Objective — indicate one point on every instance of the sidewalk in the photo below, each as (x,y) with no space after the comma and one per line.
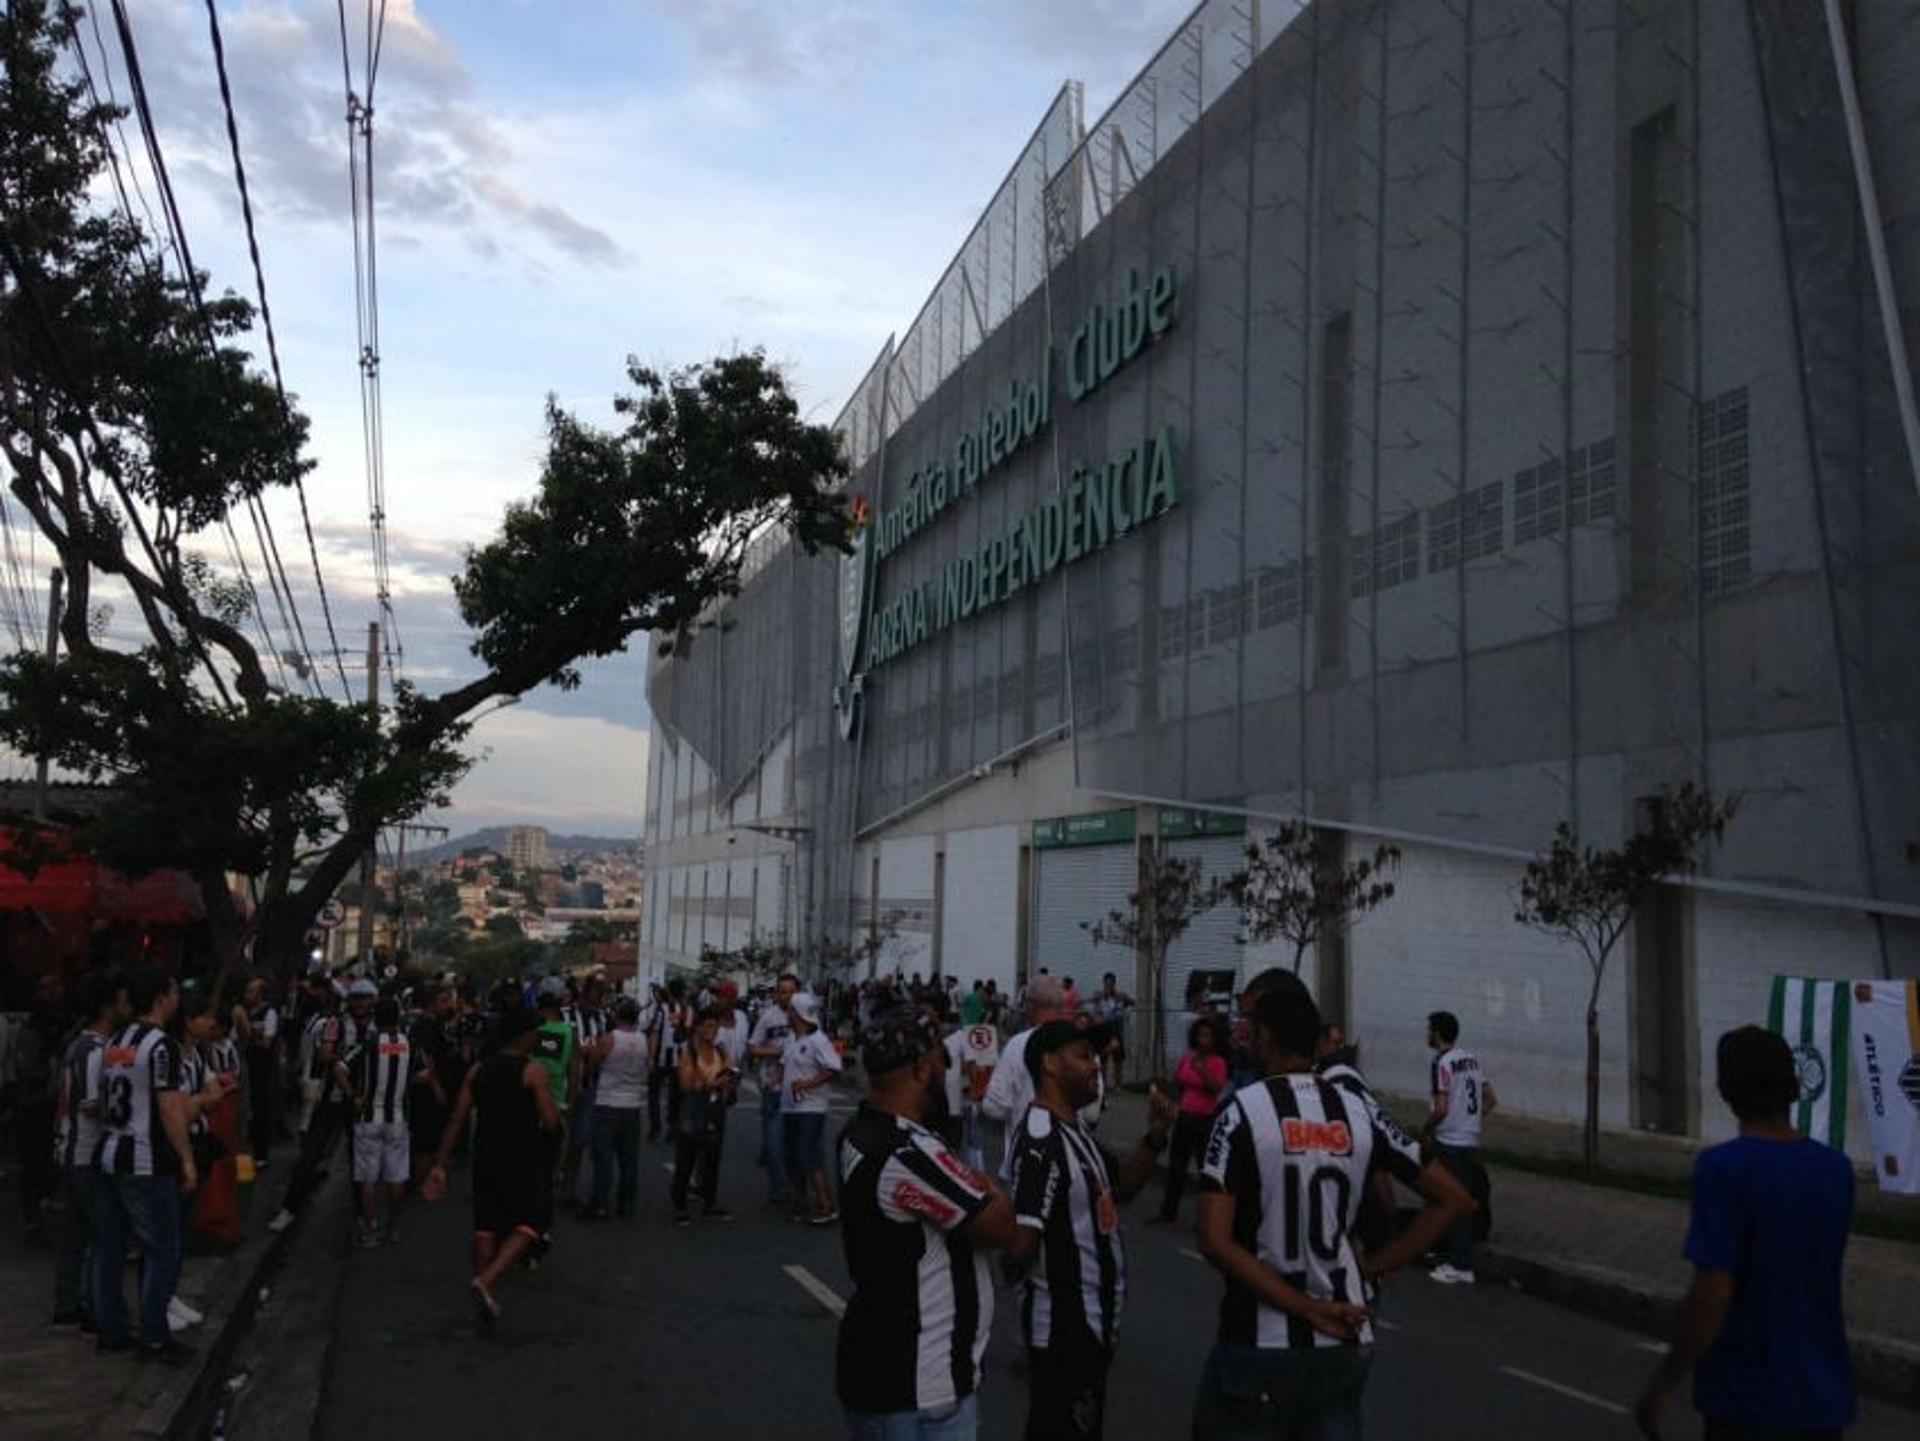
(54,1385)
(1617,1252)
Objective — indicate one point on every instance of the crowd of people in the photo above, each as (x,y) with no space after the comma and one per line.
(157,1096)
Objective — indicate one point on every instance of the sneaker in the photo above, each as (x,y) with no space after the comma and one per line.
(681,1218)
(180,1315)
(282,1219)
(827,1218)
(486,1309)
(716,1213)
(1447,1274)
(367,1239)
(170,1352)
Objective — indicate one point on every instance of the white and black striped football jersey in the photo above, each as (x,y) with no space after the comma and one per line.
(383,1070)
(1293,1152)
(1063,1187)
(77,1119)
(140,1064)
(915,1330)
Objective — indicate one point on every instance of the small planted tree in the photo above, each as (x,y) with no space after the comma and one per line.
(1589,897)
(1294,889)
(1172,894)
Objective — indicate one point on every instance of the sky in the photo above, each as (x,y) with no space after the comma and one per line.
(560,185)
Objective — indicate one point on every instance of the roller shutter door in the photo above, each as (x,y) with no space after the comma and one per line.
(980,908)
(1076,884)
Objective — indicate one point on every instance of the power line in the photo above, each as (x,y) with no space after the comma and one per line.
(170,209)
(366,286)
(273,347)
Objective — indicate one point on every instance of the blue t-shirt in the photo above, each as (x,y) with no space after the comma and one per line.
(1775,1215)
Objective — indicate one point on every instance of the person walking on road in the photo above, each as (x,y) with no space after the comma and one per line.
(766,1043)
(908,1360)
(1762,1327)
(384,1078)
(1067,1192)
(512,1157)
(708,1083)
(1285,1169)
(1202,1078)
(556,1047)
(333,1038)
(1462,1099)
(618,1060)
(807,1067)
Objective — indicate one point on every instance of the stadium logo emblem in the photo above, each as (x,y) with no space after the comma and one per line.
(1811,1067)
(855,567)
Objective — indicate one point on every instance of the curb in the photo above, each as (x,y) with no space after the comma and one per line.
(229,1308)
(1884,1367)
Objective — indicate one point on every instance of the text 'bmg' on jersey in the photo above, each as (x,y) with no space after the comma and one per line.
(1293,1153)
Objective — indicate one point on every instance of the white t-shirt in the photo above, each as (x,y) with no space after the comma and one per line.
(1458,1077)
(732,1042)
(805,1058)
(771,1027)
(956,1045)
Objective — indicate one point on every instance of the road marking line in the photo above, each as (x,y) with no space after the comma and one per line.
(1380,1325)
(1598,1401)
(818,1289)
(1190,1254)
(1659,1348)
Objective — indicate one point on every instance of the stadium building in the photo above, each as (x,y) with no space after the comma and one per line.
(1434,419)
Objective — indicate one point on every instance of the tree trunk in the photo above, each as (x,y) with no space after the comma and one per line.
(1590,1131)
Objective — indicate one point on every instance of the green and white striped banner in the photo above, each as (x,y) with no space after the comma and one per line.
(1813,1016)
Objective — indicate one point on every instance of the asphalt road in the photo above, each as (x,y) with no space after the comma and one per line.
(728,1329)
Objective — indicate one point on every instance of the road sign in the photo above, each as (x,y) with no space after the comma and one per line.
(331,914)
(983,1045)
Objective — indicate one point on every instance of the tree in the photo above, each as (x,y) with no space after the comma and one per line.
(1589,897)
(133,424)
(1172,894)
(1295,888)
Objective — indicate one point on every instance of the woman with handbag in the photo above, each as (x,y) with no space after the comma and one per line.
(708,1082)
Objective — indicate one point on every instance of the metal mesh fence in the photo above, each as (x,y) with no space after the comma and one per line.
(1536,436)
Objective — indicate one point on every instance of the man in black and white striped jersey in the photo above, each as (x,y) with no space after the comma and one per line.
(146,1162)
(1067,1192)
(380,1080)
(915,1223)
(1282,1180)
(586,1013)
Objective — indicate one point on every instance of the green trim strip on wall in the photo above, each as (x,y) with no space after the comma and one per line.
(1097,828)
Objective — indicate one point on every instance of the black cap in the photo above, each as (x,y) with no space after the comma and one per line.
(516,1022)
(1050,1036)
(898,1036)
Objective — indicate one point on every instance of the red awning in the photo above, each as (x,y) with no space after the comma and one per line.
(82,886)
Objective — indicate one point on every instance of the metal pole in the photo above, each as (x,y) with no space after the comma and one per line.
(56,579)
(366,859)
(1876,237)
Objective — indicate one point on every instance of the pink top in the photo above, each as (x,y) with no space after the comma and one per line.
(1202,1079)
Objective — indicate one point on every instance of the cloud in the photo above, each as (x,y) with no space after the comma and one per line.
(443,164)
(570,773)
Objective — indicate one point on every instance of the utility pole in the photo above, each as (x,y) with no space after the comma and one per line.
(366,860)
(56,579)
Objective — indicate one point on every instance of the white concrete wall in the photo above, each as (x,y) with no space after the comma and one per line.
(1740,945)
(1447,941)
(981,915)
(906,886)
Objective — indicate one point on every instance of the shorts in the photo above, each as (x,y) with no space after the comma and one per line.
(382,1151)
(507,1197)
